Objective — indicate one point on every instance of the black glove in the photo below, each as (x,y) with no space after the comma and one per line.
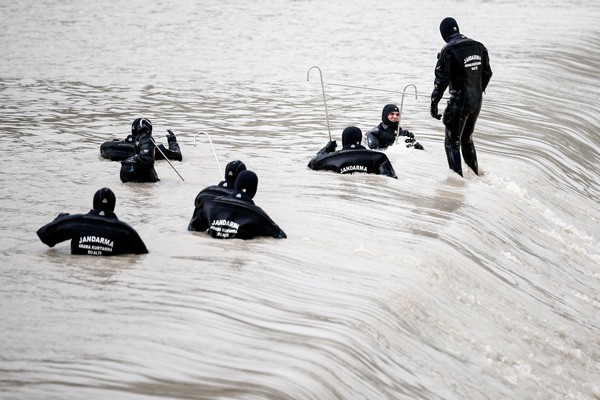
(433,110)
(330,148)
(171,136)
(408,133)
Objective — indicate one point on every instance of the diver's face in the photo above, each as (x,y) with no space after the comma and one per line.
(394,116)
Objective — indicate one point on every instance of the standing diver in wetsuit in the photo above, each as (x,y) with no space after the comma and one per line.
(464,65)
(236,216)
(224,188)
(140,166)
(384,134)
(118,150)
(353,157)
(97,233)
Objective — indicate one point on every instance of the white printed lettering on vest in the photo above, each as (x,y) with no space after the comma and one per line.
(353,168)
(224,228)
(474,57)
(473,61)
(85,240)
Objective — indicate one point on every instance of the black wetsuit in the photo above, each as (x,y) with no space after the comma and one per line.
(235,217)
(97,233)
(463,64)
(119,150)
(383,136)
(353,159)
(209,193)
(140,166)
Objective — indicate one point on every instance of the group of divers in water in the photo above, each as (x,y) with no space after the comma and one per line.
(227,210)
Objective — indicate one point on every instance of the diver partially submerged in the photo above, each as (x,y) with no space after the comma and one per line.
(119,150)
(236,216)
(223,188)
(139,167)
(388,131)
(98,233)
(353,158)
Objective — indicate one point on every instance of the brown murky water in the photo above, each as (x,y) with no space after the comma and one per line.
(426,287)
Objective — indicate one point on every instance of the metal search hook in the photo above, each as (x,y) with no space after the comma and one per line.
(324,100)
(213,149)
(402,105)
(166,158)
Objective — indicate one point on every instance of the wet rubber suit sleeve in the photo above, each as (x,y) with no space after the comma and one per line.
(373,138)
(173,152)
(385,168)
(329,148)
(54,232)
(442,75)
(486,73)
(145,156)
(199,222)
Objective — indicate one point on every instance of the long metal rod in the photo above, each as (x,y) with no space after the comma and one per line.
(324,100)
(213,149)
(161,152)
(402,105)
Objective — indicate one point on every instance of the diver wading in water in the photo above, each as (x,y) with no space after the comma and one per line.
(385,134)
(353,158)
(224,188)
(236,216)
(119,150)
(140,166)
(97,233)
(464,65)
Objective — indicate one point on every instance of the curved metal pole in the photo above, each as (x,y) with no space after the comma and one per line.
(324,100)
(163,154)
(213,149)
(402,105)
